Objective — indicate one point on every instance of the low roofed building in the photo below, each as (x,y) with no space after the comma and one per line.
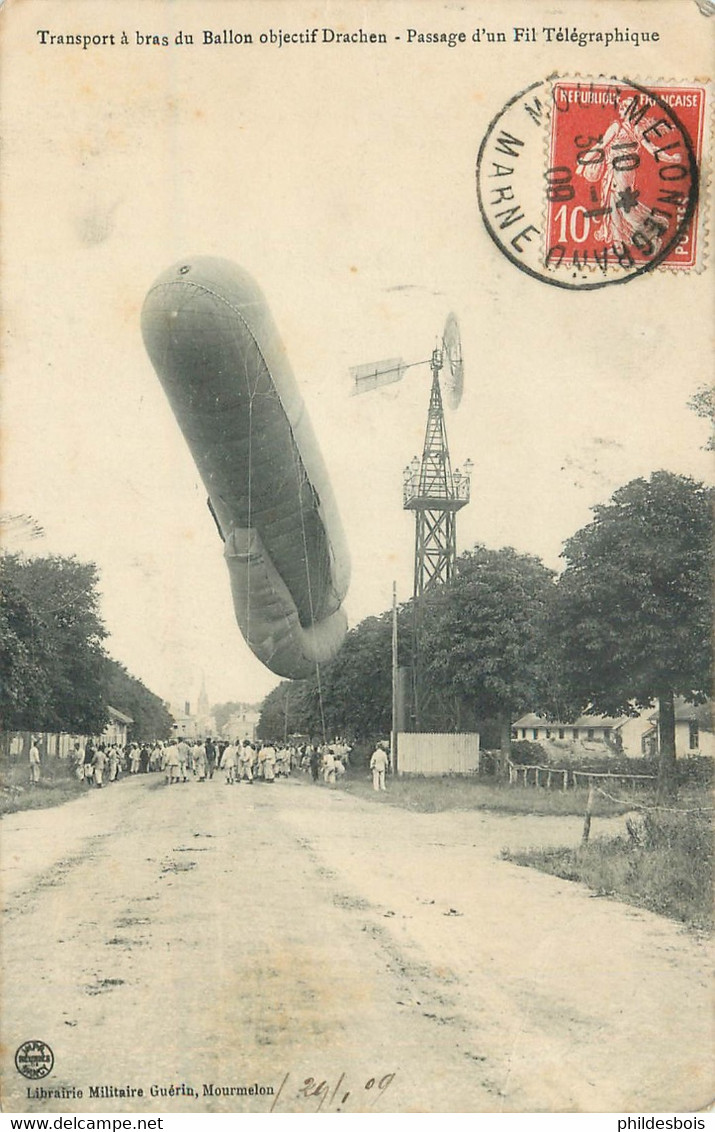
(633,735)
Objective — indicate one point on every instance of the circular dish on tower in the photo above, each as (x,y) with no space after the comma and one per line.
(453,372)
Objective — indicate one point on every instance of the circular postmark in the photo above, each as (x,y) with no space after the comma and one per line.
(586,182)
(34,1059)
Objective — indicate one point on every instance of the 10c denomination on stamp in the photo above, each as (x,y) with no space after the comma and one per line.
(582,183)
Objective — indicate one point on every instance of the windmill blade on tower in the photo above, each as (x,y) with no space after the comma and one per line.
(373,375)
(453,372)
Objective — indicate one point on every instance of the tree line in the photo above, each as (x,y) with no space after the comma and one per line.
(626,625)
(55,674)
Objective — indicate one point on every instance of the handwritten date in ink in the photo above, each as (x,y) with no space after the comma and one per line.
(322,1095)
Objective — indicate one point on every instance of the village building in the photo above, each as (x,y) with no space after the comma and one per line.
(117,729)
(694,730)
(242,725)
(195,725)
(634,736)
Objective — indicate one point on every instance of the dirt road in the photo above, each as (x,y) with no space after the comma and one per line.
(212,938)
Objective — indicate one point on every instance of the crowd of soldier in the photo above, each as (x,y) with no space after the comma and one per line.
(183,760)
(101,762)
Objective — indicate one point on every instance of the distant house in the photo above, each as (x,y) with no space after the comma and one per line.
(116,729)
(694,732)
(242,725)
(185,724)
(536,729)
(194,725)
(631,735)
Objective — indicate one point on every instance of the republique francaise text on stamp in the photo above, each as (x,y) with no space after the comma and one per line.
(586,182)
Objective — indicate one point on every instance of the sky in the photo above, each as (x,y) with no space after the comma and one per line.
(345,184)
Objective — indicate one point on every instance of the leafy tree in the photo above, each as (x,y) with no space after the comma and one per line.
(55,674)
(50,651)
(703,404)
(354,690)
(23,692)
(151,720)
(633,618)
(275,706)
(290,709)
(479,650)
(223,712)
(357,685)
(483,635)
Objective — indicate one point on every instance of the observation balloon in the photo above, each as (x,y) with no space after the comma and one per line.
(217,352)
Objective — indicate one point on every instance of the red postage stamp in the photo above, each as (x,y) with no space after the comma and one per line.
(584,182)
(623,172)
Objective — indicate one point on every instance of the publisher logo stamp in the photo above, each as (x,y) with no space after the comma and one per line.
(34,1059)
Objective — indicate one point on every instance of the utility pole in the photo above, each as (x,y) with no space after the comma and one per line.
(285,715)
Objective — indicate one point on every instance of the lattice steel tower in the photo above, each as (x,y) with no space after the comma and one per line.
(435,494)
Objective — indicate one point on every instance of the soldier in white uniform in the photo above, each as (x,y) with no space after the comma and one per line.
(246,761)
(171,763)
(378,766)
(34,763)
(228,763)
(184,755)
(269,762)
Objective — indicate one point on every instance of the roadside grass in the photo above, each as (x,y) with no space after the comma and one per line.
(433,795)
(663,863)
(57,784)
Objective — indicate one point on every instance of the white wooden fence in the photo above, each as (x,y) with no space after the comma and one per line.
(49,743)
(427,753)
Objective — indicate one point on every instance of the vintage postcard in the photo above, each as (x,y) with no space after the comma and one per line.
(405,290)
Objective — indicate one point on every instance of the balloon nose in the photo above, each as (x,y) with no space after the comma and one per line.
(218,354)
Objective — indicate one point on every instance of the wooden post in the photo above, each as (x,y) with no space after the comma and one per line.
(587,817)
(286,702)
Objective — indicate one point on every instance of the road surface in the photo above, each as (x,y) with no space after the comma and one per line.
(293,947)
